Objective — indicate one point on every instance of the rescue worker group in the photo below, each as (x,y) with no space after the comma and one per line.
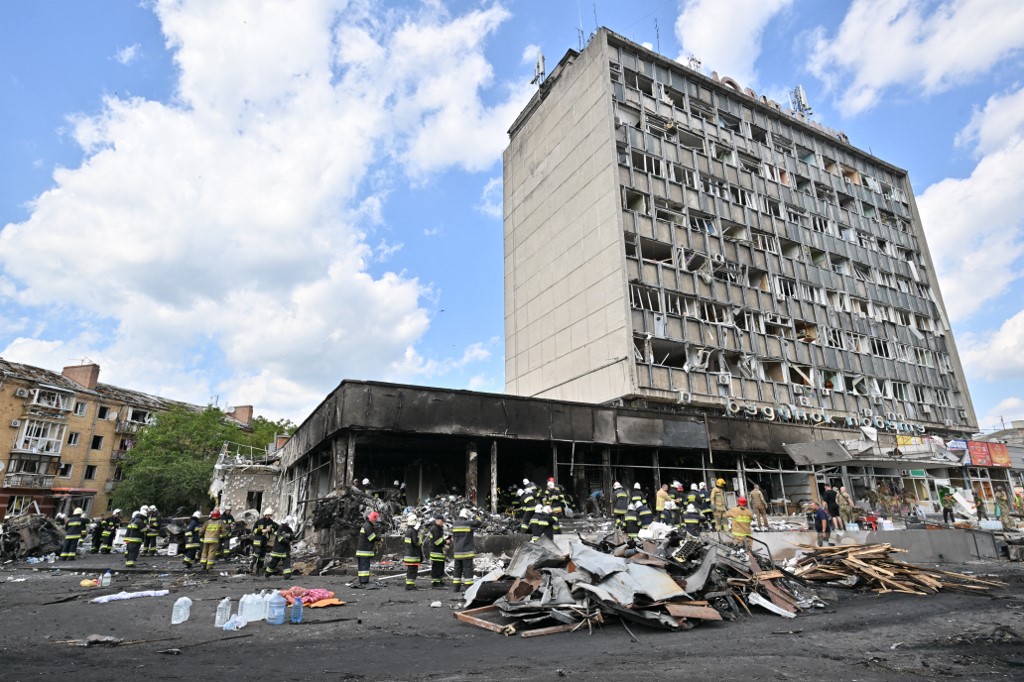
(538,510)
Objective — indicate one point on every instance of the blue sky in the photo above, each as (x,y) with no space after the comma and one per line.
(249,202)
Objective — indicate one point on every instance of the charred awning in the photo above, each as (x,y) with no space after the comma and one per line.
(838,453)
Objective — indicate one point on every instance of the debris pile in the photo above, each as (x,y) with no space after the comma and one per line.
(28,535)
(870,566)
(673,585)
(449,507)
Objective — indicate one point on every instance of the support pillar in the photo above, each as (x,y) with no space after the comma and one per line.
(606,472)
(471,473)
(494,477)
(656,463)
(554,462)
(339,456)
(350,459)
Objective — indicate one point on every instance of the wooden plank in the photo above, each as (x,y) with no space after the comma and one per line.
(553,630)
(691,611)
(470,616)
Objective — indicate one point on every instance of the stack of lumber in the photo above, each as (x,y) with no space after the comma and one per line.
(873,567)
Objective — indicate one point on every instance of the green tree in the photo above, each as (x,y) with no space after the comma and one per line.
(171,464)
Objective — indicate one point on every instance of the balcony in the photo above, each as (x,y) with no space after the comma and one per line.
(32,446)
(118,455)
(28,481)
(125,426)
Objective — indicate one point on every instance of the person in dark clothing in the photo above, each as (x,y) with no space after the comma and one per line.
(262,538)
(831,498)
(620,500)
(596,499)
(822,524)
(192,539)
(529,502)
(692,519)
(366,548)
(152,531)
(134,536)
(540,525)
(229,523)
(644,514)
(413,551)
(75,529)
(281,552)
(97,535)
(638,495)
(438,541)
(554,497)
(631,522)
(463,549)
(669,514)
(109,532)
(948,502)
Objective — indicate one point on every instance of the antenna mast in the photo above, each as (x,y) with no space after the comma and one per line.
(798,101)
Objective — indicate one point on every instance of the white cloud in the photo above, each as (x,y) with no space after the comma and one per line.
(530,54)
(726,36)
(432,231)
(912,43)
(1008,410)
(127,55)
(221,231)
(996,355)
(491,199)
(975,225)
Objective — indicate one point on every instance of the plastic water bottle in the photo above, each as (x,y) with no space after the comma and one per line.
(275,609)
(105,580)
(297,609)
(265,598)
(180,612)
(223,612)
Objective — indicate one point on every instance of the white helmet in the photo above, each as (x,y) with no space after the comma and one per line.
(397,483)
(669,504)
(366,481)
(290,520)
(152,509)
(616,485)
(78,511)
(631,506)
(526,481)
(539,509)
(464,513)
(636,486)
(197,514)
(117,512)
(520,493)
(703,485)
(547,509)
(411,520)
(676,484)
(144,509)
(268,511)
(693,486)
(691,509)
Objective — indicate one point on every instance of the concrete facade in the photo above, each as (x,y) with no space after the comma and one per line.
(672,238)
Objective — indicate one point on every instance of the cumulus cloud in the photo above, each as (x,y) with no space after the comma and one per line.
(912,43)
(491,200)
(1008,410)
(726,36)
(127,55)
(232,227)
(975,225)
(530,54)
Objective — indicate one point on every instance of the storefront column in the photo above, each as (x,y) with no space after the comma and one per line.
(494,477)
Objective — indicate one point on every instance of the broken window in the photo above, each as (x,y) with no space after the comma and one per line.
(831,379)
(669,211)
(920,394)
(849,174)
(785,286)
(40,436)
(847,234)
(702,222)
(790,249)
(804,185)
(893,193)
(775,173)
(871,183)
(683,176)
(688,140)
(714,314)
(886,279)
(834,338)
(829,164)
(818,257)
(903,352)
(806,331)
(673,97)
(638,81)
(839,300)
(862,272)
(811,293)
(806,155)
(722,152)
(782,144)
(897,390)
(925,357)
(856,384)
(925,324)
(743,197)
(676,304)
(824,192)
(881,348)
(713,185)
(794,214)
(653,250)
(750,164)
(634,201)
(771,207)
(801,375)
(840,265)
(646,163)
(886,218)
(903,317)
(668,353)
(629,239)
(777,325)
(701,110)
(856,341)
(821,224)
(694,260)
(846,202)
(759,134)
(942,397)
(765,241)
(734,231)
(757,279)
(868,210)
(728,122)
(644,298)
(42,397)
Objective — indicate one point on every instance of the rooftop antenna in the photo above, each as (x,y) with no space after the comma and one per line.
(657,36)
(798,101)
(579,31)
(538,70)
(693,62)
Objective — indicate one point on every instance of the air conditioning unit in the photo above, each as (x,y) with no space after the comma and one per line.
(803,401)
(865,412)
(891,416)
(717,258)
(926,409)
(15,423)
(826,392)
(798,390)
(724,379)
(21,393)
(779,296)
(947,422)
(876,400)
(685,397)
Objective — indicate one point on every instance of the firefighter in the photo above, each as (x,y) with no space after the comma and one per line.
(718,504)
(281,552)
(413,551)
(152,531)
(192,540)
(554,497)
(540,524)
(438,541)
(638,494)
(695,497)
(228,519)
(366,547)
(109,532)
(262,539)
(529,501)
(211,535)
(97,535)
(75,529)
(692,519)
(463,549)
(134,536)
(741,520)
(678,495)
(669,514)
(620,500)
(644,513)
(631,522)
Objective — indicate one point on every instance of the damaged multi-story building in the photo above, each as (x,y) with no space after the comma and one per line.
(699,283)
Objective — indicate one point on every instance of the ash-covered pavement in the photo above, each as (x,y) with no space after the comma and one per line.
(391,634)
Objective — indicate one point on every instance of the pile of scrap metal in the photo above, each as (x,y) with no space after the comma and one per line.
(870,566)
(449,507)
(26,535)
(672,585)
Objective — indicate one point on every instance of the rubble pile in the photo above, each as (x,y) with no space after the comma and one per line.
(673,585)
(449,507)
(870,566)
(29,535)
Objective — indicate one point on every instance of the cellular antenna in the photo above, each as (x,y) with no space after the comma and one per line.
(798,101)
(538,70)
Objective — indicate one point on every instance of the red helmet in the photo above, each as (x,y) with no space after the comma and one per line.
(742,501)
(215,514)
(374,516)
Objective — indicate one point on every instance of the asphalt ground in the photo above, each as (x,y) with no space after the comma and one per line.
(392,634)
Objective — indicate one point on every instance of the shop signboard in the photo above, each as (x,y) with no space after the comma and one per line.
(980,456)
(956,445)
(1000,455)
